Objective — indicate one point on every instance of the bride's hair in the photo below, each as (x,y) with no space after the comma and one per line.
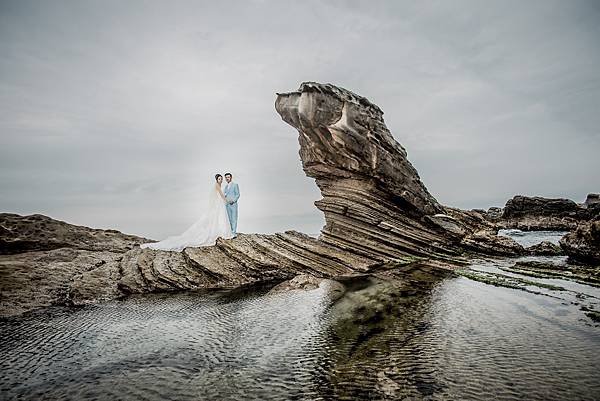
(217,176)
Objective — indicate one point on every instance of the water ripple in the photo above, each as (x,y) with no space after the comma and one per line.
(461,339)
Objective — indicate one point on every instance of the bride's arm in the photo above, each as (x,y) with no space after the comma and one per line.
(221,192)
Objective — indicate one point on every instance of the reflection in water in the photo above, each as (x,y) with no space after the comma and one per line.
(182,346)
(468,340)
(448,338)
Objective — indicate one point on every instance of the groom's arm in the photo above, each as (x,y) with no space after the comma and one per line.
(236,193)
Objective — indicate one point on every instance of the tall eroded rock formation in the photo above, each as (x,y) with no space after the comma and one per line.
(373,199)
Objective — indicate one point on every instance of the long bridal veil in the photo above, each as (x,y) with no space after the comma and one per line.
(213,224)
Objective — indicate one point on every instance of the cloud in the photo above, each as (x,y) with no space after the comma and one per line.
(118,114)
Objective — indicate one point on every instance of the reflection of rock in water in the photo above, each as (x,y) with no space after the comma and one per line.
(185,346)
(420,336)
(375,320)
(459,339)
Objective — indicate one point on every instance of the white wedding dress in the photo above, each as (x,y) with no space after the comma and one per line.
(213,224)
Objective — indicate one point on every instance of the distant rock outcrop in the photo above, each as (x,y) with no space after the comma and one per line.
(538,213)
(583,243)
(592,201)
(37,232)
(531,213)
(546,248)
(521,206)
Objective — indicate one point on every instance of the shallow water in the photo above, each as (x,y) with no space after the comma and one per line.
(528,238)
(461,340)
(474,341)
(178,346)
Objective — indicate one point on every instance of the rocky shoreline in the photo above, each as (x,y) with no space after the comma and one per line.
(582,220)
(53,271)
(380,221)
(548,214)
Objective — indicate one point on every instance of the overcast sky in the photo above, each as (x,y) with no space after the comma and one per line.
(116,114)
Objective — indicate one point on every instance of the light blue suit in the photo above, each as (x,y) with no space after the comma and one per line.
(232,193)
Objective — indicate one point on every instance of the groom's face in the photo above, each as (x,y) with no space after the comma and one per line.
(228,178)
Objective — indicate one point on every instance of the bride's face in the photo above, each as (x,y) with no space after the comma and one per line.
(219,180)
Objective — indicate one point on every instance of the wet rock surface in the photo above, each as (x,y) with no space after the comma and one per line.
(550,269)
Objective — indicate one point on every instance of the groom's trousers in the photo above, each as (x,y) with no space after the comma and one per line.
(232,213)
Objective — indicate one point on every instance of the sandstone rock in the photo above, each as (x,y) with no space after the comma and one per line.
(373,199)
(592,206)
(524,205)
(343,136)
(544,248)
(245,260)
(592,199)
(583,244)
(50,262)
(492,244)
(471,221)
(536,265)
(448,223)
(37,232)
(537,213)
(494,213)
(64,276)
(306,282)
(380,221)
(300,282)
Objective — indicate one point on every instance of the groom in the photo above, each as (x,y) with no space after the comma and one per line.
(232,194)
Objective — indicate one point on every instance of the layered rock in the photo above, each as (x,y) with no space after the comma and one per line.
(538,213)
(544,248)
(373,199)
(583,243)
(380,220)
(592,201)
(46,262)
(493,213)
(74,274)
(37,232)
(246,260)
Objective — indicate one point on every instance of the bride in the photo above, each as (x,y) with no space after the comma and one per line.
(213,224)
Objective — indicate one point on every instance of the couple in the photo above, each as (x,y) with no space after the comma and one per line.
(219,220)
